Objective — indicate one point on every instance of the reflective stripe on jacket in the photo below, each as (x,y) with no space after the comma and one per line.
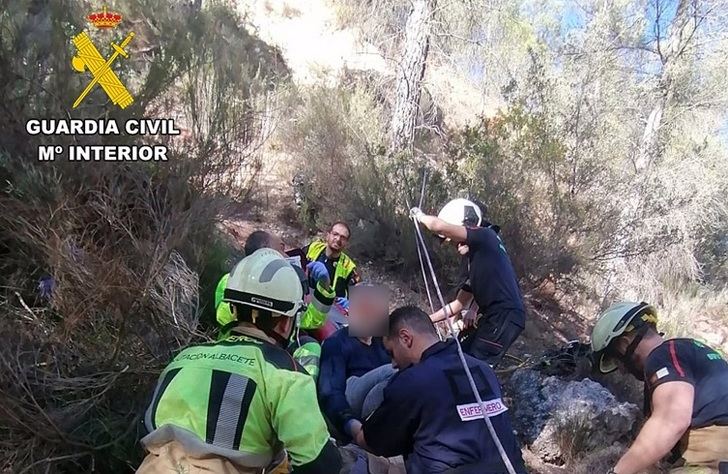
(315,315)
(308,354)
(211,394)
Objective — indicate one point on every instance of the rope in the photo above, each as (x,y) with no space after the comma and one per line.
(422,191)
(424,276)
(491,429)
(419,255)
(419,252)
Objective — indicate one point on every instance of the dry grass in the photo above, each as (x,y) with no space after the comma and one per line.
(572,437)
(80,363)
(130,246)
(599,461)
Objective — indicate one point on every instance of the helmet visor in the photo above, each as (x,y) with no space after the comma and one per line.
(607,362)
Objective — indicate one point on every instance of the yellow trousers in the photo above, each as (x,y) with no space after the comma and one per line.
(171,458)
(703,450)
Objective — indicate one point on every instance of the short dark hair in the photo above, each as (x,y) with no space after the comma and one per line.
(413,318)
(256,241)
(341,223)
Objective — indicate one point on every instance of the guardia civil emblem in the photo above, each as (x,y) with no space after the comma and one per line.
(89,59)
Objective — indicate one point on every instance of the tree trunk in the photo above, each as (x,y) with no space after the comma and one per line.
(410,72)
(678,36)
(681,31)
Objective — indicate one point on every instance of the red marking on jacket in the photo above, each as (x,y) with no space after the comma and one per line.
(675,362)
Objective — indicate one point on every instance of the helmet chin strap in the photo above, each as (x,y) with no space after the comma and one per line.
(294,333)
(629,353)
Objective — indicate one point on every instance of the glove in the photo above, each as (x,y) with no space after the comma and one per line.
(318,272)
(342,302)
(416,213)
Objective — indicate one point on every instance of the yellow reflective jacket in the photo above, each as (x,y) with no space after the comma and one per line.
(212,394)
(344,268)
(222,310)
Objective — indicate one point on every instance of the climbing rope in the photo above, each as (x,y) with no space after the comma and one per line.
(424,276)
(419,255)
(427,288)
(448,315)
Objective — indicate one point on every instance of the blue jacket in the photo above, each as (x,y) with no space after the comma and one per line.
(343,356)
(431,417)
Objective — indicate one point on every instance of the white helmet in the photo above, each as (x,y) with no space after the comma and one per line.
(265,280)
(461,212)
(618,319)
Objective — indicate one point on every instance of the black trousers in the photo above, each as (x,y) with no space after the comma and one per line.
(493,337)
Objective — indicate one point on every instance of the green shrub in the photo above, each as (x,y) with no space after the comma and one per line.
(337,138)
(552,223)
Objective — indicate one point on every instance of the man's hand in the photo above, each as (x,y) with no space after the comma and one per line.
(416,213)
(318,272)
(359,439)
(470,319)
(352,426)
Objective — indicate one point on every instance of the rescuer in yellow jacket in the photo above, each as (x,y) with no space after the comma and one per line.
(341,268)
(338,266)
(240,404)
(305,349)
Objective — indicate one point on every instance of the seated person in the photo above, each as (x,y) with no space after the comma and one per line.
(354,363)
(304,348)
(429,413)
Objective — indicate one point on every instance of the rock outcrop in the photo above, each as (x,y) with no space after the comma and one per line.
(561,420)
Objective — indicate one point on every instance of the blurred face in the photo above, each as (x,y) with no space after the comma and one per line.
(400,349)
(368,311)
(337,238)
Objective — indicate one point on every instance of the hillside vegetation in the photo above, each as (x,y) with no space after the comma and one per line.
(594,132)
